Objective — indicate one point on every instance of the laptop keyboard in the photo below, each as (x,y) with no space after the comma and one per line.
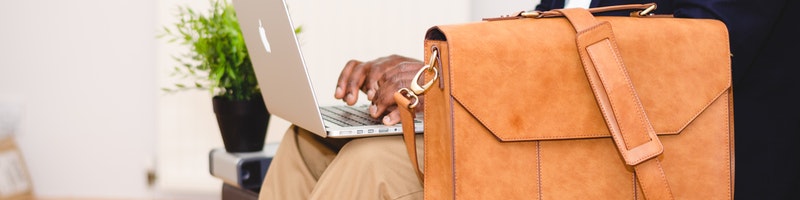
(348,116)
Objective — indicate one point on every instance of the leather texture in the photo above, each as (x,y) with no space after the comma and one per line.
(515,115)
(619,102)
(407,114)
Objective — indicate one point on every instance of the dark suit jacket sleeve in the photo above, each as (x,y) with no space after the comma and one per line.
(750,23)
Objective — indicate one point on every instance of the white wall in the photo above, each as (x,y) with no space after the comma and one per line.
(85,71)
(185,121)
(487,8)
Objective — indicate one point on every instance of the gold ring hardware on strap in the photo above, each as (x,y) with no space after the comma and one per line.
(647,11)
(414,88)
(430,67)
(531,14)
(408,94)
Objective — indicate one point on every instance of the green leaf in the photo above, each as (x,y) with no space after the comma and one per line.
(298,29)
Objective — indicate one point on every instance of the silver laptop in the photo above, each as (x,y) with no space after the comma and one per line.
(282,75)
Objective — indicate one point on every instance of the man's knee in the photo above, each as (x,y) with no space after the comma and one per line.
(369,147)
(373,151)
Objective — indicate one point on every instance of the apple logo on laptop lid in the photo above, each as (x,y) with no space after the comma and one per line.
(263,37)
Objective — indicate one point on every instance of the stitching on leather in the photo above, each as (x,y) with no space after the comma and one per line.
(643,119)
(609,41)
(453,142)
(598,135)
(664,178)
(700,111)
(424,155)
(591,81)
(602,76)
(633,180)
(727,129)
(467,107)
(452,70)
(644,189)
(703,108)
(469,110)
(517,139)
(539,167)
(424,141)
(666,132)
(445,48)
(676,131)
(632,92)
(594,85)
(610,101)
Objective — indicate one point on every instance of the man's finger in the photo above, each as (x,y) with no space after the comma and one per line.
(383,103)
(392,118)
(371,93)
(355,82)
(342,83)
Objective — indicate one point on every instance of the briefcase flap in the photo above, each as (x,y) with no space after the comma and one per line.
(523,78)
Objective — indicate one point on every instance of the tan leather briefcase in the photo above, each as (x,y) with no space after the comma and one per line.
(541,106)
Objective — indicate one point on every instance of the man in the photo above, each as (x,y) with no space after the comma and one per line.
(307,166)
(767,112)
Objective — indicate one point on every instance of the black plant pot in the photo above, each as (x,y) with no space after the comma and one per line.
(243,124)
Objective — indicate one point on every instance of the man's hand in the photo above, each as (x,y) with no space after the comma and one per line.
(379,79)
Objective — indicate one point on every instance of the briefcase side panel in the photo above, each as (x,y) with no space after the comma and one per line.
(732,141)
(438,157)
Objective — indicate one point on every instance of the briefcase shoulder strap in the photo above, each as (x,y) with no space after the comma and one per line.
(619,102)
(406,107)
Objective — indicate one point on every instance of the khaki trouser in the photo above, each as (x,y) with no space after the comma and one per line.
(307,166)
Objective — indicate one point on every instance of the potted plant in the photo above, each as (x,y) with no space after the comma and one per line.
(218,61)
